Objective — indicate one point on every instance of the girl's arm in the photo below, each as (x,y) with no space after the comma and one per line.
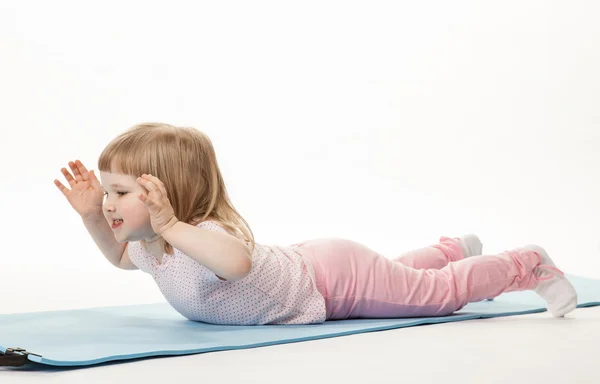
(103,236)
(225,255)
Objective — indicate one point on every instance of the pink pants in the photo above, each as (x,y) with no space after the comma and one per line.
(357,282)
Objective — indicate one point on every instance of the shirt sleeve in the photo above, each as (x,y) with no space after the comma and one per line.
(208,224)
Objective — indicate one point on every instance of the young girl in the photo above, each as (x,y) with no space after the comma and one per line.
(167,213)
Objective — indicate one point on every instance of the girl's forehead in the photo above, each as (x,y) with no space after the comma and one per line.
(116,179)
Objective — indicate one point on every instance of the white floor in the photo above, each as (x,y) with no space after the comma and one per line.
(518,349)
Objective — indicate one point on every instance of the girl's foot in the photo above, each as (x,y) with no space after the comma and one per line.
(471,245)
(560,295)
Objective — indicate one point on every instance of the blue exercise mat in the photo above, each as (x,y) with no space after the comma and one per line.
(92,336)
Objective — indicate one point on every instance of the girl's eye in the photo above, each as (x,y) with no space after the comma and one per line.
(118,193)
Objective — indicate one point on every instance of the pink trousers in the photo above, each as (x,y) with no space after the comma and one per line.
(438,280)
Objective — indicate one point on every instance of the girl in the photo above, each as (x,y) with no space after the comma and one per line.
(167,213)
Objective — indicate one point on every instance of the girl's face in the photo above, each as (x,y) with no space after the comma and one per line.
(121,202)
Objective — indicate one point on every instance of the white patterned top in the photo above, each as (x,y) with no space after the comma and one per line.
(280,288)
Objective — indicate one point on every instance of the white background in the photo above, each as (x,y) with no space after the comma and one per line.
(388,123)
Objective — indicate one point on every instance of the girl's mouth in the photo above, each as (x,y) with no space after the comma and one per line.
(117,224)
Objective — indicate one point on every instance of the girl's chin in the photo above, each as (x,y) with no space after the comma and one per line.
(121,238)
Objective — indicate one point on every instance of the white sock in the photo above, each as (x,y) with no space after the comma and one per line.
(471,245)
(560,295)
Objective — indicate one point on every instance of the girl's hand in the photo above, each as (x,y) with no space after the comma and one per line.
(86,195)
(162,216)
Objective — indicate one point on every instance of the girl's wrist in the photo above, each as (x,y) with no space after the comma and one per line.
(168,226)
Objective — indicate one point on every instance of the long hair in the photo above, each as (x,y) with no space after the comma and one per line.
(183,158)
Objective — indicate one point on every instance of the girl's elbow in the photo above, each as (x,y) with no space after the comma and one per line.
(245,265)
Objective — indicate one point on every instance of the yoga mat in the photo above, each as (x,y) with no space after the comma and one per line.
(82,337)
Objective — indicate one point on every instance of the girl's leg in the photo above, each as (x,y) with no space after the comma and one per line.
(433,257)
(356,282)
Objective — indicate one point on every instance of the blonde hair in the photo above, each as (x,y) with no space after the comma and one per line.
(183,158)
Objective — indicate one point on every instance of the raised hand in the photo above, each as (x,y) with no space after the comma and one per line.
(162,216)
(86,194)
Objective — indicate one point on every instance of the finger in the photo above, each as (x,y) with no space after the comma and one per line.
(150,185)
(143,197)
(153,190)
(62,188)
(158,189)
(143,183)
(68,176)
(146,200)
(81,166)
(94,179)
(75,171)
(162,188)
(82,169)
(159,184)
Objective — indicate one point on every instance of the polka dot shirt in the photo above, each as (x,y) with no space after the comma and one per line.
(280,288)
